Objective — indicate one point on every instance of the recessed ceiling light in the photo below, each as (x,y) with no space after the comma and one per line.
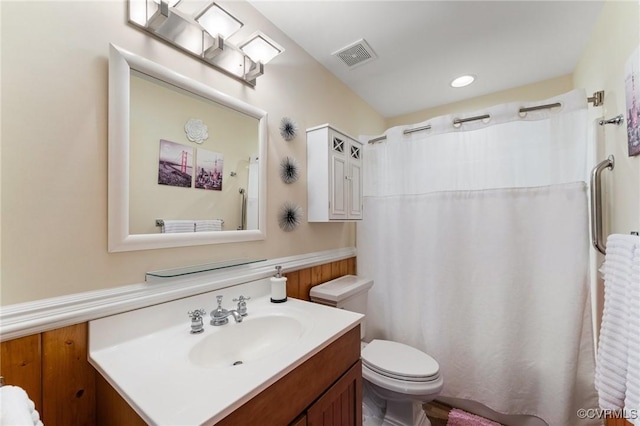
(462,81)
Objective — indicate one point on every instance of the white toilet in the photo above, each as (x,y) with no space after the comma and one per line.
(400,377)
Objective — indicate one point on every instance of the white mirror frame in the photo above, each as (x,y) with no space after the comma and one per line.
(121,62)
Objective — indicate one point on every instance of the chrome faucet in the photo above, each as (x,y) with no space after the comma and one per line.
(220,316)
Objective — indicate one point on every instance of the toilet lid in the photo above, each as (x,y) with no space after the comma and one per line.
(399,361)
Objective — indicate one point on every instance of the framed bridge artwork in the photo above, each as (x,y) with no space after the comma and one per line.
(175,164)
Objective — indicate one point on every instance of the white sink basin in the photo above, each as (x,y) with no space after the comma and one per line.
(239,343)
(150,357)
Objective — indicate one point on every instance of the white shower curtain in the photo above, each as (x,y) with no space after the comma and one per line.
(477,240)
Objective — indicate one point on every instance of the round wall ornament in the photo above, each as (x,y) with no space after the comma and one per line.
(289,217)
(288,129)
(289,171)
(196,130)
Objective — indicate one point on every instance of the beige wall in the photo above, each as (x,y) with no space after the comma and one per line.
(54,138)
(531,92)
(602,67)
(54,145)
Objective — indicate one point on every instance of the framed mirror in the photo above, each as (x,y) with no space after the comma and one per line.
(181,151)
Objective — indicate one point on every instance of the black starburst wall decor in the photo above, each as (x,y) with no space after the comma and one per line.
(290,217)
(289,171)
(288,129)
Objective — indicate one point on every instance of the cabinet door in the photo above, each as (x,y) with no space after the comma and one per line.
(341,405)
(338,185)
(300,421)
(355,181)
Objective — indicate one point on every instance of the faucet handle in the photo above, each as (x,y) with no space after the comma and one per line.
(196,320)
(219,298)
(242,305)
(196,314)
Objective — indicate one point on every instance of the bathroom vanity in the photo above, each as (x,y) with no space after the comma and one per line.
(287,363)
(327,389)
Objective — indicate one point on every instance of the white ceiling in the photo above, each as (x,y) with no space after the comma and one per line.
(423,45)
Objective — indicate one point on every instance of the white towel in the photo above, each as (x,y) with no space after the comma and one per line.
(173,226)
(632,399)
(16,409)
(209,225)
(618,363)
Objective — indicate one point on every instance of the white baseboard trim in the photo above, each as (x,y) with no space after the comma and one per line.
(34,317)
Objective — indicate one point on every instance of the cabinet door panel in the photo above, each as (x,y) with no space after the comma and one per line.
(338,209)
(300,421)
(355,191)
(341,405)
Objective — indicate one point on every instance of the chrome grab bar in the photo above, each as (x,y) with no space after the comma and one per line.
(243,210)
(596,203)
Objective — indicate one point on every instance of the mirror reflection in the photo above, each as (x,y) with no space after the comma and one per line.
(191,159)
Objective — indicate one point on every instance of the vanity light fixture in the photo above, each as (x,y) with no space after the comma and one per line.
(218,25)
(156,18)
(159,17)
(261,48)
(218,22)
(203,33)
(211,46)
(254,72)
(463,81)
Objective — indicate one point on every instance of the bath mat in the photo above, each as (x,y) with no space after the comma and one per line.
(458,417)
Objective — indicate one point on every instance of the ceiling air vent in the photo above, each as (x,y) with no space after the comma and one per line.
(356,54)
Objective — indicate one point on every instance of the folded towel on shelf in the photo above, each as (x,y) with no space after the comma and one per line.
(16,409)
(175,226)
(617,378)
(209,225)
(459,417)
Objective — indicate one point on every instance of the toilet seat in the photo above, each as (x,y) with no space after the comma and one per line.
(400,362)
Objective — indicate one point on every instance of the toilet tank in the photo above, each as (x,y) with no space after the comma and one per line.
(348,292)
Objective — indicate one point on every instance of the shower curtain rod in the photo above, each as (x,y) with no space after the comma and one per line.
(597,99)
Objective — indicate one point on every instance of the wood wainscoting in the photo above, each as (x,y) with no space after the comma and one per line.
(53,367)
(299,282)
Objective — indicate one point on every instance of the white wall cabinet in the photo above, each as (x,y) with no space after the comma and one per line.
(334,175)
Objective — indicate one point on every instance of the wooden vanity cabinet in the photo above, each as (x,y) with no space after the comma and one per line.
(325,390)
(340,405)
(300,421)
